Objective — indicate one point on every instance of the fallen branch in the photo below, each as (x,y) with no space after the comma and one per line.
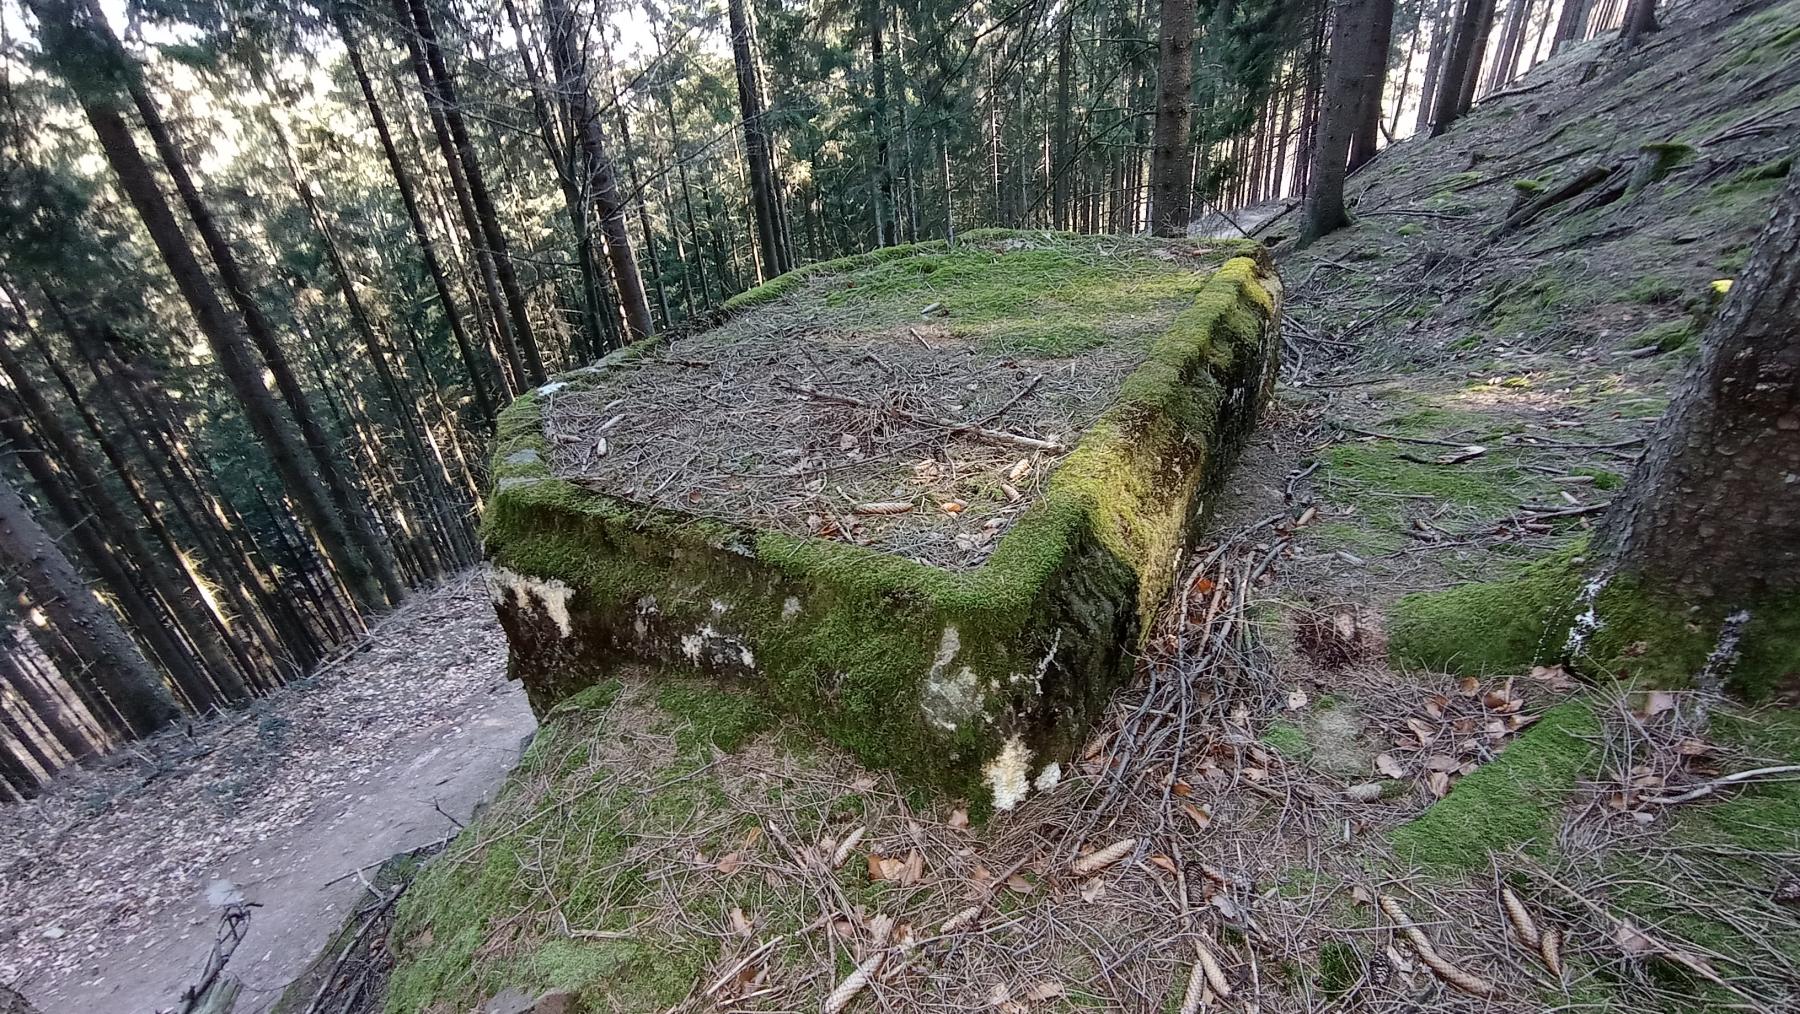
(1589,178)
(966,428)
(1708,788)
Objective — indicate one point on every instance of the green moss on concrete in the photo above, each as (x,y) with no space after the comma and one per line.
(1509,625)
(1513,801)
(847,636)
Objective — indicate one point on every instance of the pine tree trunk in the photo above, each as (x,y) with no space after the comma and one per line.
(113,663)
(478,366)
(1572,25)
(1640,20)
(1353,31)
(1064,158)
(1170,165)
(602,182)
(1446,107)
(757,147)
(884,178)
(441,92)
(1710,512)
(1442,28)
(1365,134)
(1484,27)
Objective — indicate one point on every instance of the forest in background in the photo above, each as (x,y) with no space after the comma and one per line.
(268,271)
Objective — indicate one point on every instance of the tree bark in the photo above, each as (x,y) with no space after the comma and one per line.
(764,197)
(1711,512)
(602,181)
(1640,20)
(1484,27)
(1170,156)
(1447,106)
(442,93)
(1365,134)
(1353,30)
(1571,26)
(114,664)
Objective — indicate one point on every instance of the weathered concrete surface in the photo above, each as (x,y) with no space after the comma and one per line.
(980,681)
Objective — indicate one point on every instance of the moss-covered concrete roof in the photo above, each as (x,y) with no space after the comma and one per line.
(914,400)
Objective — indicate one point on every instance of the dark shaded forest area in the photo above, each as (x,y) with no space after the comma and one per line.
(270,269)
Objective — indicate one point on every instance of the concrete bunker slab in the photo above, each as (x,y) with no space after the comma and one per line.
(924,498)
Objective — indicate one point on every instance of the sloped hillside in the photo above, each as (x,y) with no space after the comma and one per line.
(1275,817)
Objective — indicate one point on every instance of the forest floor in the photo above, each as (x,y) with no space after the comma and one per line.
(116,878)
(1277,817)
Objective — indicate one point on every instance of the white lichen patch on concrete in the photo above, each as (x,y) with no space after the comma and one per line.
(548,594)
(709,641)
(1008,776)
(1049,778)
(951,697)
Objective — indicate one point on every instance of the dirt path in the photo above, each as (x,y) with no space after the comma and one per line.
(114,880)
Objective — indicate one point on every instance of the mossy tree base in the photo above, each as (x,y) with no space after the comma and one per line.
(978,681)
(1630,631)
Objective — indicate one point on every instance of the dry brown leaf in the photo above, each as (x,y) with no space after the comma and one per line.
(1093,889)
(1423,730)
(730,863)
(1468,686)
(959,817)
(1296,699)
(740,923)
(1200,815)
(1439,784)
(1019,885)
(1442,762)
(1387,765)
(1632,940)
(1164,863)
(1048,989)
(953,506)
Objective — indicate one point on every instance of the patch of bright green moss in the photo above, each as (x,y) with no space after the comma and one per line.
(1653,289)
(1287,739)
(1375,479)
(1514,800)
(1668,336)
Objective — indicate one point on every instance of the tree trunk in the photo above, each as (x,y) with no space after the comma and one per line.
(113,661)
(1484,27)
(1063,162)
(442,93)
(602,182)
(884,178)
(478,367)
(764,197)
(1442,28)
(1170,167)
(1640,20)
(1710,512)
(1353,30)
(1572,25)
(1365,134)
(72,43)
